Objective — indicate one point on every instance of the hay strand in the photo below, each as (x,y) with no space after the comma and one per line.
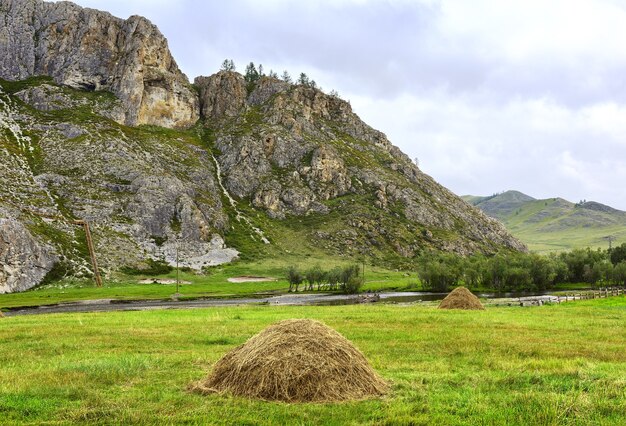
(461,298)
(297,360)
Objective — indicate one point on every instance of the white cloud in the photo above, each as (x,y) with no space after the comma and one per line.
(489,94)
(537,146)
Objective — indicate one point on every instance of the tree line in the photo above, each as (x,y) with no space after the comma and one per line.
(347,279)
(254,73)
(523,271)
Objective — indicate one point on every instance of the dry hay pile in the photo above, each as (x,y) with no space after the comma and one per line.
(297,360)
(461,298)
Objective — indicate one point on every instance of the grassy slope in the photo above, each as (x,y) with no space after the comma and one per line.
(562,228)
(544,365)
(557,225)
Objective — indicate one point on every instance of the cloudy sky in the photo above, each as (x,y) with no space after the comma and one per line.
(488,95)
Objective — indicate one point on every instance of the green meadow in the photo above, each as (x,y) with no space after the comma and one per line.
(546,226)
(213,284)
(554,224)
(550,365)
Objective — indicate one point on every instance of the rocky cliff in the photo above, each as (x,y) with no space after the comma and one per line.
(92,50)
(271,169)
(143,190)
(294,151)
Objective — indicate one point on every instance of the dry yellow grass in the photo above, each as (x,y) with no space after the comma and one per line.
(461,298)
(297,360)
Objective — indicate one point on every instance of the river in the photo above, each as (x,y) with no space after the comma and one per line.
(289,299)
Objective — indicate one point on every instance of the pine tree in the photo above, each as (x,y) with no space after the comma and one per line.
(251,77)
(286,77)
(228,65)
(303,79)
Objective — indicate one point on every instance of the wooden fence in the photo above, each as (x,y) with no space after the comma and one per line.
(567,297)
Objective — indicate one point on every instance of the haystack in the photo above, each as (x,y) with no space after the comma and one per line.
(461,298)
(296,360)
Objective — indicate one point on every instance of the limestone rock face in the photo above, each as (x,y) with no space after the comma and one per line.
(328,175)
(222,94)
(92,50)
(145,192)
(53,98)
(24,261)
(292,150)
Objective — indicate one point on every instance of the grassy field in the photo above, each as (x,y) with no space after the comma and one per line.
(542,366)
(215,284)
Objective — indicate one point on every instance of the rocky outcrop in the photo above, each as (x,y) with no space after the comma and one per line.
(92,50)
(327,176)
(24,261)
(147,193)
(222,95)
(53,98)
(291,149)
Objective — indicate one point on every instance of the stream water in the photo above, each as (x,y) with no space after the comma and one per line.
(289,299)
(415,296)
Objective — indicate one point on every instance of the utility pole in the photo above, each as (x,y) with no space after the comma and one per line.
(92,251)
(177,268)
(611,238)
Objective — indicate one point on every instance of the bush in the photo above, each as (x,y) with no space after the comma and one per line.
(439,272)
(619,273)
(154,267)
(347,280)
(333,277)
(353,285)
(59,271)
(351,282)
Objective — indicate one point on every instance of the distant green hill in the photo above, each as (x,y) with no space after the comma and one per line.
(554,224)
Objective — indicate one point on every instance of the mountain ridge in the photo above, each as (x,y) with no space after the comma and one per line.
(554,224)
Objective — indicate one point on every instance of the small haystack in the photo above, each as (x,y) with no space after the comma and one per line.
(296,360)
(461,298)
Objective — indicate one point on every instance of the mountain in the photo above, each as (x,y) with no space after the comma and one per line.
(99,125)
(554,224)
(499,206)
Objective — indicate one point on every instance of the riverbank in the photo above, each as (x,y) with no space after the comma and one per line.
(306,299)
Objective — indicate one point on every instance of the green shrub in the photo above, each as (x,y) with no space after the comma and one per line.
(59,271)
(353,285)
(154,267)
(333,277)
(350,281)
